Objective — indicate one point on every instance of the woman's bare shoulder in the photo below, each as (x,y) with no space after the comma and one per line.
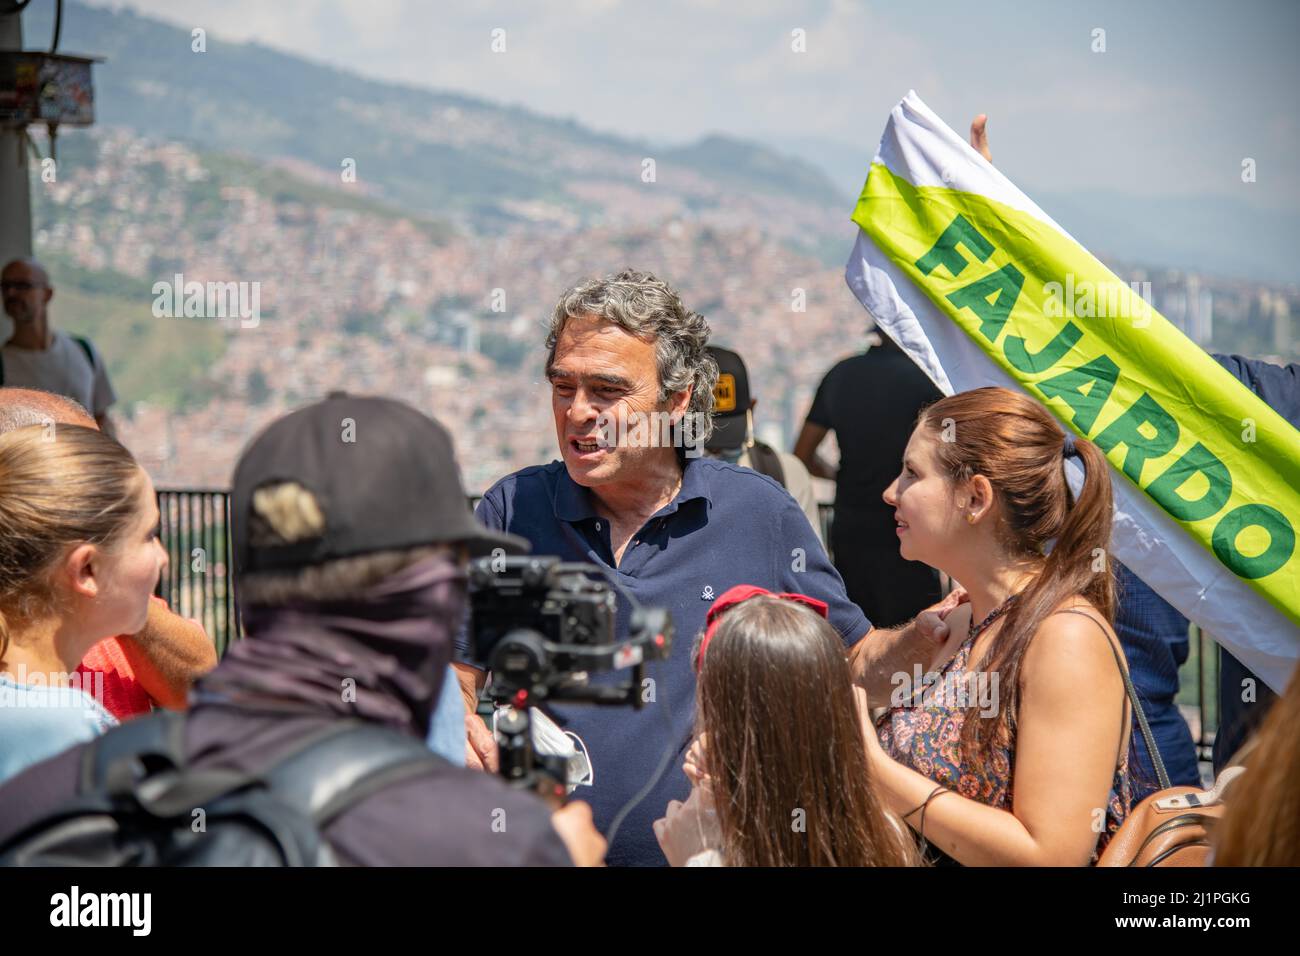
(1072,641)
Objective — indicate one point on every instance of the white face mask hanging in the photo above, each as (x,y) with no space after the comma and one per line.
(549,740)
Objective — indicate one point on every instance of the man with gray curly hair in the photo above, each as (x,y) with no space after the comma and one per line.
(632,394)
(601,314)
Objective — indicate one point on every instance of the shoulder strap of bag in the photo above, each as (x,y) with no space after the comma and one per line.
(87,348)
(144,761)
(1162,777)
(152,742)
(765,460)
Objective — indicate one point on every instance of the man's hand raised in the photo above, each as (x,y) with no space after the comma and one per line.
(979,139)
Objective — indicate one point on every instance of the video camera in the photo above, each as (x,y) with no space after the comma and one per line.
(543,627)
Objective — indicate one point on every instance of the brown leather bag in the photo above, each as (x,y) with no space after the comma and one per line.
(1172,827)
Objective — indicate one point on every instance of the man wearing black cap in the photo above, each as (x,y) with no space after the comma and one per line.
(733,438)
(351,531)
(870,400)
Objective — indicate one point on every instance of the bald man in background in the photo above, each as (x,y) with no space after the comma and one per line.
(40,356)
(152,668)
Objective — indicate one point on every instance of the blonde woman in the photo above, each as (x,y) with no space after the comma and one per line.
(79,557)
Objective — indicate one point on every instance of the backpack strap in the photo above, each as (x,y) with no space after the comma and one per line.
(1162,777)
(157,739)
(87,348)
(765,460)
(144,760)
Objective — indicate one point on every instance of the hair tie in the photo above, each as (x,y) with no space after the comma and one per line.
(1068,449)
(743,592)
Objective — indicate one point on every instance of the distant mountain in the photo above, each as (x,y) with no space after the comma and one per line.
(1218,236)
(741,161)
(442,154)
(483,166)
(844,164)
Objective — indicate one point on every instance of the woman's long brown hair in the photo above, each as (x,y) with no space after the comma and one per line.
(1261,818)
(1018,446)
(785,750)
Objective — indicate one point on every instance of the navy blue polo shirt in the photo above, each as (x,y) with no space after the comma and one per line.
(727,525)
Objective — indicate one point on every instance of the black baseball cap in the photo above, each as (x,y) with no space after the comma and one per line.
(730,401)
(383,474)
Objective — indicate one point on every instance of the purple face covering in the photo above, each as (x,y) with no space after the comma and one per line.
(381,657)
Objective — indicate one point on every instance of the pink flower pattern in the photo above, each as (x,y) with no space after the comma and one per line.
(928,739)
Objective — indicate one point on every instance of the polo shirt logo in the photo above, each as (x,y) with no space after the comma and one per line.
(708,593)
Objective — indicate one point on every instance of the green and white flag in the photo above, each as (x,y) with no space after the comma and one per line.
(981,287)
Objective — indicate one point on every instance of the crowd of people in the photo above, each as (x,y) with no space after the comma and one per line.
(783,728)
(818,707)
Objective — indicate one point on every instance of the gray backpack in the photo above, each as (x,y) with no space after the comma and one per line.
(138,803)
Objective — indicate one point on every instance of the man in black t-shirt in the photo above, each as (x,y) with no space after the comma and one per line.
(870,401)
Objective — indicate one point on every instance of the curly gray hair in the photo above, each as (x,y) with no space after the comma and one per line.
(647,306)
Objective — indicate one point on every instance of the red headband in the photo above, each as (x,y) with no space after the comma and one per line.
(739,594)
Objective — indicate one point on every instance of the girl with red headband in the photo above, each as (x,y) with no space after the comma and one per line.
(782,779)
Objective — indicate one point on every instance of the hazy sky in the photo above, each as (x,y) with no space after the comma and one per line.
(1183,92)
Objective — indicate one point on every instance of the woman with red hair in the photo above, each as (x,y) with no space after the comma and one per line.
(1013,749)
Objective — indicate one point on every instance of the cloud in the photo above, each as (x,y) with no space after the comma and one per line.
(1163,112)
